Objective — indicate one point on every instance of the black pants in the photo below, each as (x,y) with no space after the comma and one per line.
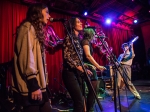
(45,107)
(73,83)
(90,95)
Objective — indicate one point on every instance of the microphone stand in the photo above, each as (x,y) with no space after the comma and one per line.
(116,65)
(85,71)
(60,84)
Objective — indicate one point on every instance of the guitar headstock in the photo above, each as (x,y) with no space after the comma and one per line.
(133,40)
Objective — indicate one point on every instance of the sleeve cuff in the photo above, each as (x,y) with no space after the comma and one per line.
(33,84)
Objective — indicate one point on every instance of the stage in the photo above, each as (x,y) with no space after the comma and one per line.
(128,102)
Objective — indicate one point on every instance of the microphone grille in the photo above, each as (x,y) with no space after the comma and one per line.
(86,26)
(51,19)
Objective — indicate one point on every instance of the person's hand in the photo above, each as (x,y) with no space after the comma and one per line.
(101,68)
(37,95)
(131,44)
(89,66)
(93,67)
(86,66)
(89,72)
(117,63)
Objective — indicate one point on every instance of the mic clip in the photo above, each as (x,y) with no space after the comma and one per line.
(100,36)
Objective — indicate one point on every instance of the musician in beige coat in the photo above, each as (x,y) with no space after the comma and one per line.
(30,75)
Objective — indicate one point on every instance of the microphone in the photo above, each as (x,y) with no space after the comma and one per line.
(93,27)
(101,35)
(57,20)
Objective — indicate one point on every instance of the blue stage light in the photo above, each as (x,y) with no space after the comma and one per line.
(85,13)
(135,21)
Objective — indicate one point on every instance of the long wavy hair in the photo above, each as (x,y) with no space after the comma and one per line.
(35,17)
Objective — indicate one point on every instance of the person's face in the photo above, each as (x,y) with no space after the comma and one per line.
(126,48)
(78,25)
(46,15)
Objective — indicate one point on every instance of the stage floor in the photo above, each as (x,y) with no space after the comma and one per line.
(128,102)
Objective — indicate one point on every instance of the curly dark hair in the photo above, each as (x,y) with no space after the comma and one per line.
(34,16)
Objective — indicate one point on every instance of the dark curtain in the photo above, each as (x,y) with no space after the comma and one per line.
(11,16)
(145,30)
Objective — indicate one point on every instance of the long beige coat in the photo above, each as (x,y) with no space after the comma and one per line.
(28,61)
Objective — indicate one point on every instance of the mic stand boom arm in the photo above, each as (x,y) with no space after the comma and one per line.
(85,71)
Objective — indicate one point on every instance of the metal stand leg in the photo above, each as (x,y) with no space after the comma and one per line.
(116,91)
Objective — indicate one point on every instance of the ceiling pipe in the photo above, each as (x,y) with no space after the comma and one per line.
(127,7)
(75,14)
(65,11)
(107,5)
(120,12)
(104,5)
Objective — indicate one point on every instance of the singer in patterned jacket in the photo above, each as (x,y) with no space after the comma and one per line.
(72,69)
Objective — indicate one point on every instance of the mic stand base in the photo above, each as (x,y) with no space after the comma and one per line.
(116,90)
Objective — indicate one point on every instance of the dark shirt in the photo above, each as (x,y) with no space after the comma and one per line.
(127,58)
(85,60)
(70,57)
(86,42)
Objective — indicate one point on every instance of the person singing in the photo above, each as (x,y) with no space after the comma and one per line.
(72,69)
(30,75)
(88,36)
(125,59)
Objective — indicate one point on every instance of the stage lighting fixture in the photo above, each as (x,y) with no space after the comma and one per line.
(135,21)
(85,13)
(108,21)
